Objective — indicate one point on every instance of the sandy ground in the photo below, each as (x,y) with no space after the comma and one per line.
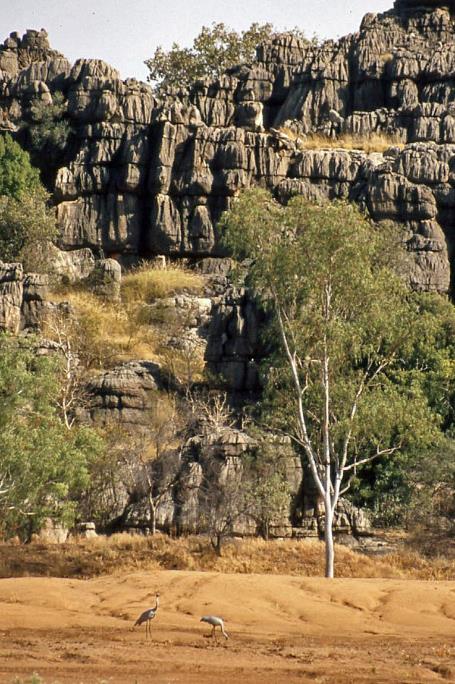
(282,629)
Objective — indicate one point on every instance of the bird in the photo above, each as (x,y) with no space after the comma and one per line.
(215,622)
(147,616)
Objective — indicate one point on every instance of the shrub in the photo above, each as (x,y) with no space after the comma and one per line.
(17,175)
(49,128)
(27,222)
(27,225)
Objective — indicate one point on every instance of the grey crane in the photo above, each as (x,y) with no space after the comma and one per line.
(147,616)
(215,622)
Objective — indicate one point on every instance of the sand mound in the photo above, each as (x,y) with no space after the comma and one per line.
(282,629)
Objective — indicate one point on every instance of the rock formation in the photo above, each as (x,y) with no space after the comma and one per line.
(23,299)
(143,176)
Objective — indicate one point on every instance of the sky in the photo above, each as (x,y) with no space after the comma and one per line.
(126,32)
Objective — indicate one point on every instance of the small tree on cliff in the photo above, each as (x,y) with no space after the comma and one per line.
(215,49)
(338,383)
(152,459)
(27,222)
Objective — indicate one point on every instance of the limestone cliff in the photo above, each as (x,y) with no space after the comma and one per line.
(143,176)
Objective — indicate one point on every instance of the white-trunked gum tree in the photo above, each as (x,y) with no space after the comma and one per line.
(340,379)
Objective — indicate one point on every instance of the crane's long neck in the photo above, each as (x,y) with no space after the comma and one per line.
(157,602)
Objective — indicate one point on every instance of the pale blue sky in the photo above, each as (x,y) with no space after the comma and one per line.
(126,32)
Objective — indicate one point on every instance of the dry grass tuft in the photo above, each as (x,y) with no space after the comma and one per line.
(123,552)
(386,57)
(375,142)
(106,333)
(146,284)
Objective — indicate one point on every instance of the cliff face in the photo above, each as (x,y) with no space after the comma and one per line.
(143,176)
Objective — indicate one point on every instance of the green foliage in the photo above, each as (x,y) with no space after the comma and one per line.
(267,487)
(215,49)
(415,488)
(325,270)
(27,222)
(27,225)
(404,489)
(43,465)
(17,175)
(49,129)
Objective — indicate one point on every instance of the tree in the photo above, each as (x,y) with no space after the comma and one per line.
(63,329)
(43,465)
(215,49)
(152,459)
(27,222)
(403,490)
(337,384)
(48,128)
(27,225)
(17,176)
(223,499)
(267,485)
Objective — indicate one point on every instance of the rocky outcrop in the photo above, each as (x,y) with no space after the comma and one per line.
(124,395)
(106,279)
(403,5)
(144,177)
(11,296)
(23,299)
(219,459)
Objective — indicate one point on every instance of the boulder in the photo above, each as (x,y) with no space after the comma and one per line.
(106,279)
(11,296)
(124,394)
(51,533)
(35,300)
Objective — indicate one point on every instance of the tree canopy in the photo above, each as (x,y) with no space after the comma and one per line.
(48,128)
(345,381)
(215,49)
(43,465)
(17,175)
(27,221)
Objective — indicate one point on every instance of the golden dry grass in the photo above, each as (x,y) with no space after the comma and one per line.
(386,57)
(145,284)
(124,552)
(107,333)
(376,142)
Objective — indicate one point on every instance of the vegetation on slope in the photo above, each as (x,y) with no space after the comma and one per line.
(106,333)
(146,284)
(361,369)
(27,223)
(43,465)
(123,552)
